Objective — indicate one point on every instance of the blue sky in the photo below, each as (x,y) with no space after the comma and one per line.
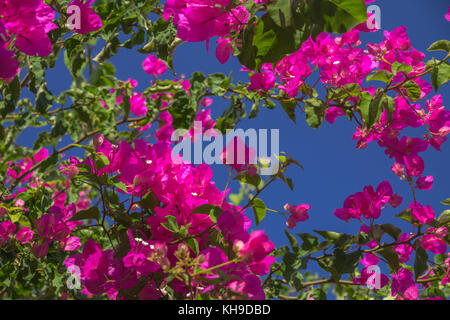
(334,168)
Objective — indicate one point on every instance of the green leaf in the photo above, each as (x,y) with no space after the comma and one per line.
(292,241)
(15,88)
(383,75)
(255,108)
(364,106)
(104,161)
(352,89)
(124,244)
(401,67)
(337,16)
(336,238)
(405,215)
(235,199)
(49,162)
(355,8)
(36,67)
(442,45)
(244,177)
(343,93)
(102,74)
(346,263)
(309,242)
(232,115)
(213,211)
(440,258)
(376,232)
(371,108)
(44,99)
(150,201)
(183,110)
(420,262)
(87,148)
(193,244)
(392,230)
(292,264)
(290,183)
(171,224)
(391,257)
(444,218)
(136,38)
(118,184)
(20,218)
(219,83)
(314,112)
(446,202)
(266,41)
(388,105)
(289,107)
(440,75)
(91,213)
(259,210)
(281,12)
(412,90)
(269,104)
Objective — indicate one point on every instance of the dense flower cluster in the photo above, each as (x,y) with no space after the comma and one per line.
(199,20)
(368,204)
(29,22)
(297,214)
(180,188)
(51,227)
(89,21)
(216,249)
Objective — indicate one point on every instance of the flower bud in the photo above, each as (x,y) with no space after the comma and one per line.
(98,140)
(237,246)
(72,172)
(441,232)
(398,169)
(447,261)
(19,203)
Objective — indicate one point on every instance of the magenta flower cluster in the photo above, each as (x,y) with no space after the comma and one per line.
(29,22)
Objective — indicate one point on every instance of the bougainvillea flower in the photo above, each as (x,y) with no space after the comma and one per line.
(154,66)
(224,50)
(422,214)
(238,156)
(403,285)
(432,243)
(24,235)
(89,20)
(9,66)
(424,183)
(297,214)
(257,247)
(368,203)
(405,250)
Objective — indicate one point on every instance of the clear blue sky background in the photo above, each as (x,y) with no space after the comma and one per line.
(334,168)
